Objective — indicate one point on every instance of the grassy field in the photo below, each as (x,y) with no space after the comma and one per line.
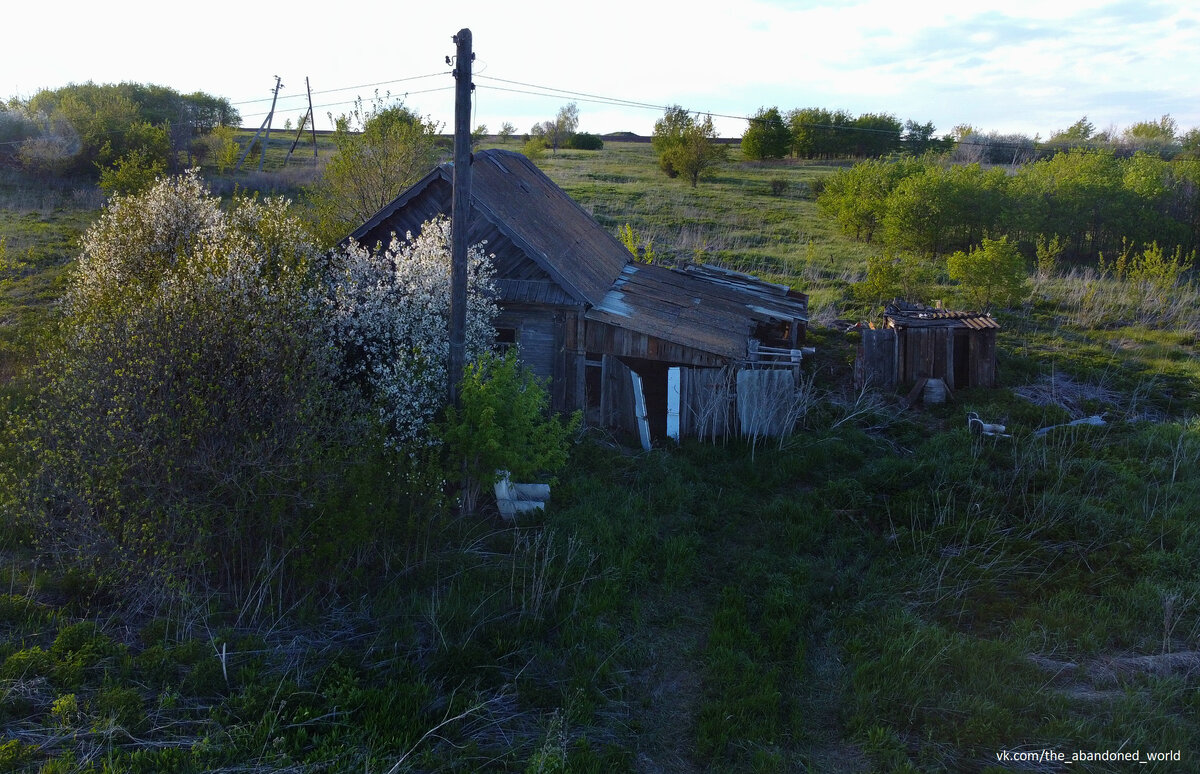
(882,592)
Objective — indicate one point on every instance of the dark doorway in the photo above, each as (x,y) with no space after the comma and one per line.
(654,389)
(962,359)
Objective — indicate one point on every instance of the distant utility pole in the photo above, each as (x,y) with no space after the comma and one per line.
(309,120)
(460,209)
(266,124)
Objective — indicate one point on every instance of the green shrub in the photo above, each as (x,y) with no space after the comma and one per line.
(27,664)
(503,423)
(584,141)
(120,704)
(13,754)
(131,174)
(534,149)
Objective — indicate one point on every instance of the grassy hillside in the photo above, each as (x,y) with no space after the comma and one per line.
(881,592)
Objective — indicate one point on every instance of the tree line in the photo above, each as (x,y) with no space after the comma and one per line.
(85,129)
(1092,201)
(819,133)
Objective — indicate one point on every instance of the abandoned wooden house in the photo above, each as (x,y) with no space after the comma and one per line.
(919,342)
(658,351)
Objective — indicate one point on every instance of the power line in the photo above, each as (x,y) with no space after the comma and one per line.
(348,88)
(351,102)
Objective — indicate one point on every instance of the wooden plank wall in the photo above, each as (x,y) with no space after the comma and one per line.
(926,352)
(983,358)
(877,359)
(610,339)
(616,395)
(764,398)
(706,403)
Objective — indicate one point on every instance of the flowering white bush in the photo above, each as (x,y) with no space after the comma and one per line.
(389,314)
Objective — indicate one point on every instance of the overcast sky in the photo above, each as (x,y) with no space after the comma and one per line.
(1028,66)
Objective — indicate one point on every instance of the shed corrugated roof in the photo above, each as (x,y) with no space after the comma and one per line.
(918,316)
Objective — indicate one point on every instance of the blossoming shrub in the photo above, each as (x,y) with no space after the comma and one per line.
(188,410)
(389,316)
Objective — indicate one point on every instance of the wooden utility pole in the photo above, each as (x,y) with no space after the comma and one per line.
(310,121)
(266,124)
(267,140)
(460,211)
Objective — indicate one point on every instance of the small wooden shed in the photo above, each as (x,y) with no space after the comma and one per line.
(652,349)
(918,342)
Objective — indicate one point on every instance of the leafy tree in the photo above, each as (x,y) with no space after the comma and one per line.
(919,138)
(534,148)
(556,132)
(807,127)
(107,122)
(503,423)
(1079,194)
(507,130)
(904,275)
(668,132)
(130,174)
(945,208)
(821,133)
(584,141)
(685,144)
(1189,143)
(1078,135)
(767,137)
(857,198)
(381,149)
(226,148)
(875,135)
(1156,136)
(479,134)
(993,273)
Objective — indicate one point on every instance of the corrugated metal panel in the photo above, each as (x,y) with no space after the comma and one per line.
(901,315)
(692,309)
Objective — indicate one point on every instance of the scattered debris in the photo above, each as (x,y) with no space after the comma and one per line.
(1095,420)
(978,427)
(1062,391)
(513,498)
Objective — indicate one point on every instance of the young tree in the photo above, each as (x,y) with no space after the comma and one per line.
(507,130)
(381,149)
(685,145)
(503,423)
(905,276)
(767,136)
(993,273)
